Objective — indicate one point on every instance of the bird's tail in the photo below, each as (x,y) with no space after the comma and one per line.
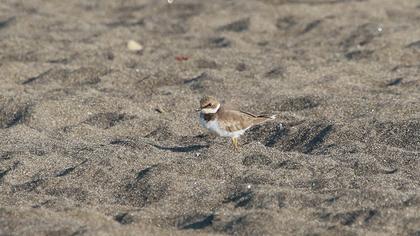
(262,119)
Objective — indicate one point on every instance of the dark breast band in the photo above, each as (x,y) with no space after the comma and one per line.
(209,117)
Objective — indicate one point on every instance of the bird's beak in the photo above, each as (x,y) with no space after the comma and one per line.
(198,109)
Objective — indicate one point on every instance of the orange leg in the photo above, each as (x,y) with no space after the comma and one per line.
(235,144)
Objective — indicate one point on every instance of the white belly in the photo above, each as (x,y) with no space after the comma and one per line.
(214,126)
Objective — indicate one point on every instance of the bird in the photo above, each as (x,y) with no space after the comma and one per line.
(227,123)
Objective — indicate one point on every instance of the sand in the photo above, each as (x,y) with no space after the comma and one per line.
(97,139)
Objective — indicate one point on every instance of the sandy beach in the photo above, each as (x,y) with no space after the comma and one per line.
(97,139)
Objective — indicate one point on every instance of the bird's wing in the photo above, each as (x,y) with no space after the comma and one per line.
(259,116)
(248,113)
(236,120)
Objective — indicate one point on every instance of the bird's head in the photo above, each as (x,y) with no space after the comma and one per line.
(209,105)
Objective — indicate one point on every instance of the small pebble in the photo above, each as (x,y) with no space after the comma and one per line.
(160,110)
(134,46)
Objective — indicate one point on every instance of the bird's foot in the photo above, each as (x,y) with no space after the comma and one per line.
(235,144)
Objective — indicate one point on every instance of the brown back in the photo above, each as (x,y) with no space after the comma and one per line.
(232,120)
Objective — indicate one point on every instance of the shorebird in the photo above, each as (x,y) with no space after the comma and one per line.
(227,123)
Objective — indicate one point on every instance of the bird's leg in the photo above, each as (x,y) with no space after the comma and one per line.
(235,143)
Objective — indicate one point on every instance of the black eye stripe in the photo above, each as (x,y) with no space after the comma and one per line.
(208,105)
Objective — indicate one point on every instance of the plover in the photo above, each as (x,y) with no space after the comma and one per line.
(227,123)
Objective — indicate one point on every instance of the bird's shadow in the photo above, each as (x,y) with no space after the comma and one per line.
(189,148)
(201,224)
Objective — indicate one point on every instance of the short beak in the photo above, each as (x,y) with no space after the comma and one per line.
(198,109)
